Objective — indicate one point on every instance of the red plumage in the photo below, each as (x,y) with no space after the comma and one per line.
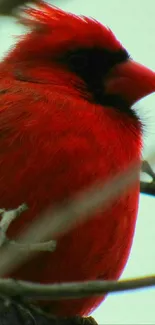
(57,137)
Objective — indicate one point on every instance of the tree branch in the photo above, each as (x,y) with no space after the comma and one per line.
(146,168)
(145,187)
(31,291)
(6,219)
(48,246)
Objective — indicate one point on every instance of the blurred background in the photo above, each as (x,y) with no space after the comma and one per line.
(133,22)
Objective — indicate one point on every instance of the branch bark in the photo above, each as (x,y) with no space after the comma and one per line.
(35,291)
(6,219)
(145,187)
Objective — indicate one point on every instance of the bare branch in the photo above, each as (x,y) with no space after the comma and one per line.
(146,168)
(6,219)
(28,290)
(48,246)
(147,188)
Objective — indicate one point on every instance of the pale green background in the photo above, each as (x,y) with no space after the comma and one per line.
(134,24)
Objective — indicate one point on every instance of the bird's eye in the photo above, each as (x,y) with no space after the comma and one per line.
(78,61)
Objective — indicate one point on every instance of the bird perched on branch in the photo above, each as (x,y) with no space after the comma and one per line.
(66,122)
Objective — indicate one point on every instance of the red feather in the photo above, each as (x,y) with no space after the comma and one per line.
(56,141)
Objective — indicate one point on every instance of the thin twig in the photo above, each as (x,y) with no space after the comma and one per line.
(146,168)
(147,188)
(48,246)
(23,289)
(6,219)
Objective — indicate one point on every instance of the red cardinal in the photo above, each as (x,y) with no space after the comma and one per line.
(66,122)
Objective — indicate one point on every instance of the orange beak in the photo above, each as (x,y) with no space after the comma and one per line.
(130,80)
